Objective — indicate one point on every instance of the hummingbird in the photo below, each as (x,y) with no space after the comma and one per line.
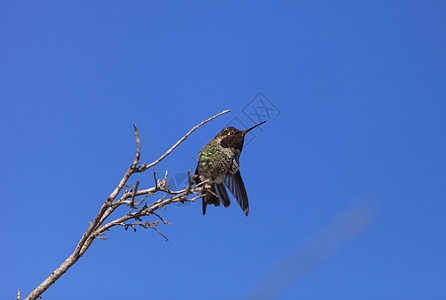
(219,164)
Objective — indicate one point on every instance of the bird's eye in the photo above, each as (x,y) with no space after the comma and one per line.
(231,133)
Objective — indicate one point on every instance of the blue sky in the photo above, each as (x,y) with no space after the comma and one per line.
(346,180)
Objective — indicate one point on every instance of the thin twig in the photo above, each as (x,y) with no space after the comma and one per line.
(181,140)
(134,193)
(154,178)
(138,147)
(162,220)
(156,229)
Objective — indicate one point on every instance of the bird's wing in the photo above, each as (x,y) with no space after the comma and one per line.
(235,184)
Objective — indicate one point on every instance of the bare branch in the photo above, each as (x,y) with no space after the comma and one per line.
(182,139)
(138,210)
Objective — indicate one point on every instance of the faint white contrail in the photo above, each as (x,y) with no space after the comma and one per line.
(320,247)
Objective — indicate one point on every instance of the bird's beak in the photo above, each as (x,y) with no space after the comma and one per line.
(244,132)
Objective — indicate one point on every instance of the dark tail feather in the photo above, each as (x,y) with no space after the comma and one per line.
(204,204)
(204,198)
(211,196)
(222,194)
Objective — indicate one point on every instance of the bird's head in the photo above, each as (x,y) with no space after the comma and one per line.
(232,137)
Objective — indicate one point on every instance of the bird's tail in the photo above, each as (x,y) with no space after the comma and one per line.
(210,198)
(210,195)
